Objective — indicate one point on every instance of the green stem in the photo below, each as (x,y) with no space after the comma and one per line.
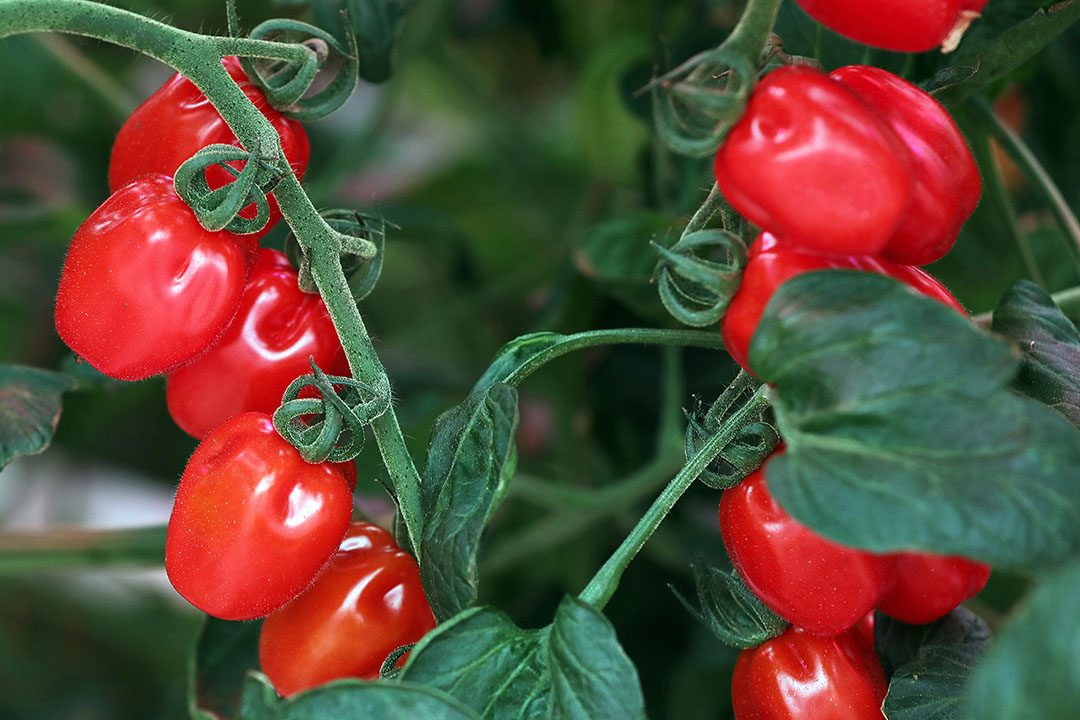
(34,552)
(603,585)
(713,203)
(751,33)
(593,338)
(1021,154)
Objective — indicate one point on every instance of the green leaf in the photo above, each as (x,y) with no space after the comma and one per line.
(351,699)
(935,662)
(222,657)
(575,668)
(1033,671)
(731,610)
(1049,344)
(471,458)
(902,433)
(980,63)
(616,254)
(612,137)
(30,403)
(591,675)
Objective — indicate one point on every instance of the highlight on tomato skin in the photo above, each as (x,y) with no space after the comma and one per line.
(368,602)
(253,523)
(801,676)
(145,288)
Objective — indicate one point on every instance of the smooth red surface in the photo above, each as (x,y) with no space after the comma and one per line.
(928,587)
(144,286)
(253,523)
(947,183)
(177,121)
(814,583)
(813,164)
(773,262)
(268,345)
(368,602)
(903,25)
(800,676)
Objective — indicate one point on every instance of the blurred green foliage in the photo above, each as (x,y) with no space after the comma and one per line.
(509,138)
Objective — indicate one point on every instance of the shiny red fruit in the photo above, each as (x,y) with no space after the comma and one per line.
(367,603)
(253,523)
(800,676)
(929,587)
(144,287)
(812,163)
(902,25)
(177,121)
(947,182)
(814,583)
(773,262)
(276,330)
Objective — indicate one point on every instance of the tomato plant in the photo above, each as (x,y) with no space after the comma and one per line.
(145,288)
(367,603)
(253,523)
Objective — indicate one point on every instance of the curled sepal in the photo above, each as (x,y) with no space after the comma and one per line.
(695,105)
(330,427)
(696,290)
(362,239)
(389,669)
(217,209)
(730,609)
(285,83)
(747,451)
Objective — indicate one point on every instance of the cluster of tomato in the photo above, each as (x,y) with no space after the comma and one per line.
(855,169)
(255,530)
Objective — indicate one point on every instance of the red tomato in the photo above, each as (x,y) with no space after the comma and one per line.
(144,286)
(947,183)
(903,25)
(812,163)
(177,121)
(772,263)
(368,602)
(815,583)
(253,524)
(277,329)
(928,587)
(799,676)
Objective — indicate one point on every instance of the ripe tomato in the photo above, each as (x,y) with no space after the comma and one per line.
(800,676)
(253,523)
(144,286)
(947,183)
(177,121)
(773,262)
(812,163)
(816,584)
(277,329)
(928,587)
(903,25)
(368,602)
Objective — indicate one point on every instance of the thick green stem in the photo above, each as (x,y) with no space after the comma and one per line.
(34,552)
(1021,154)
(750,34)
(603,585)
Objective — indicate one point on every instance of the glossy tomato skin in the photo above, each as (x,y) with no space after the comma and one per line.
(814,583)
(253,523)
(800,676)
(901,25)
(144,287)
(947,182)
(929,587)
(268,345)
(772,262)
(177,121)
(813,164)
(368,602)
